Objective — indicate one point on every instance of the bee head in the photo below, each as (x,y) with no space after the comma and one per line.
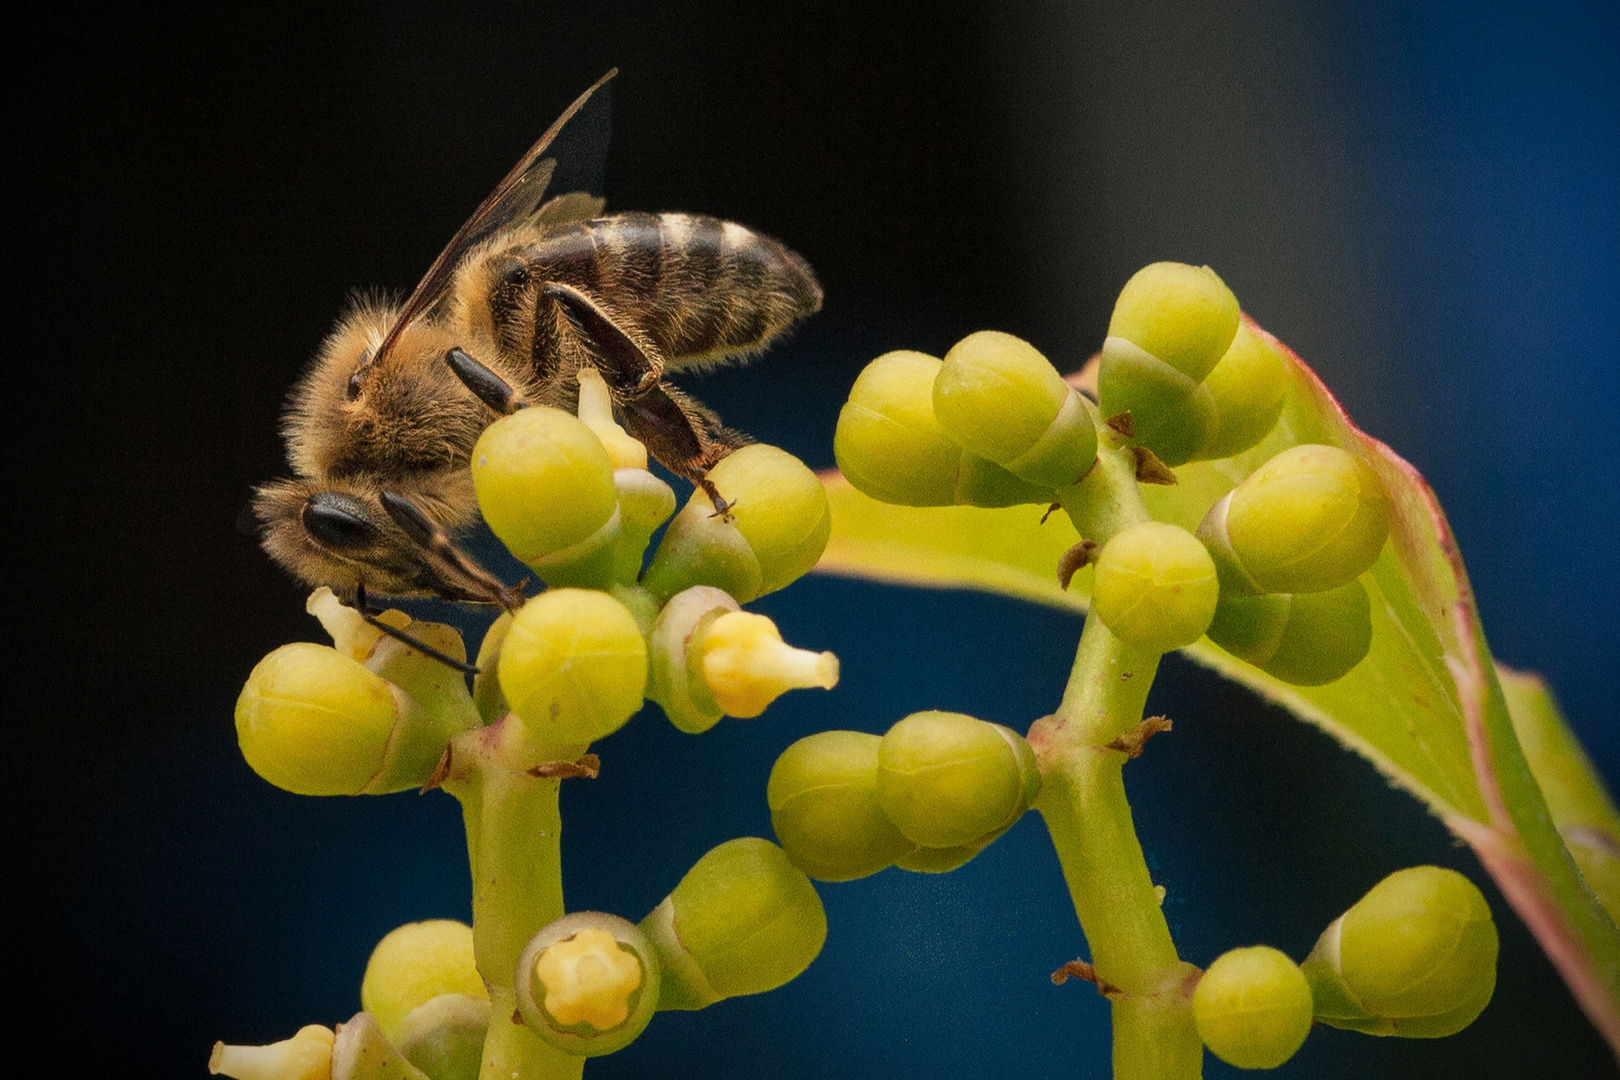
(339,534)
(355,414)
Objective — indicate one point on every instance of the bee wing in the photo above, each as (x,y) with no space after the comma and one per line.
(576,166)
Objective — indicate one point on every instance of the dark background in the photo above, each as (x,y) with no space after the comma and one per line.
(1420,199)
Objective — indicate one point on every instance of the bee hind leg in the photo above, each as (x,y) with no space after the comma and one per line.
(631,367)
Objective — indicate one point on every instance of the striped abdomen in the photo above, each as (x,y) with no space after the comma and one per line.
(696,287)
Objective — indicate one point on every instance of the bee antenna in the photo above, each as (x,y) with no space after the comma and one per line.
(486,386)
(369,613)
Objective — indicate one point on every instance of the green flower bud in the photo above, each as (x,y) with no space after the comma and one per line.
(1306,639)
(1173,415)
(1415,957)
(545,486)
(314,722)
(417,962)
(773,534)
(486,692)
(891,446)
(947,779)
(1253,1008)
(573,666)
(1155,586)
(1249,386)
(1172,323)
(942,860)
(1001,399)
(742,921)
(588,983)
(824,808)
(1311,519)
(444,1036)
(360,1051)
(1183,315)
(645,502)
(305,1056)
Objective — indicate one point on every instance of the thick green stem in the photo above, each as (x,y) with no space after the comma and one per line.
(514,835)
(1083,802)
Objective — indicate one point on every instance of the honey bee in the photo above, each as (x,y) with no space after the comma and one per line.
(381,427)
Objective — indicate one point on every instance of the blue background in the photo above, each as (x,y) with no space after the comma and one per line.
(1421,199)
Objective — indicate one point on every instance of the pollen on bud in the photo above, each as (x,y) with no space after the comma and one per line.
(824,807)
(305,1056)
(545,486)
(573,666)
(746,665)
(315,722)
(588,983)
(1253,1008)
(1183,315)
(596,412)
(775,529)
(415,963)
(1155,587)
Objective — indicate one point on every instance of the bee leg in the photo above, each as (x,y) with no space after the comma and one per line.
(459,574)
(369,613)
(486,386)
(632,368)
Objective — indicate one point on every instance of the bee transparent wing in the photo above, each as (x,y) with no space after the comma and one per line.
(575,165)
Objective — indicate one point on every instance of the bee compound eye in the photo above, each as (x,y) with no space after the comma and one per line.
(338,522)
(353,389)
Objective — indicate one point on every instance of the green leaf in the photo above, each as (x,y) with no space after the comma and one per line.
(1425,707)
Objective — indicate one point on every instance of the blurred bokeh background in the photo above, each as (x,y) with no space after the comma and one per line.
(1421,199)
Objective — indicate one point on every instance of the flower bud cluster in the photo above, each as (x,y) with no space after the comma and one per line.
(1415,957)
(1289,544)
(929,795)
(369,715)
(993,424)
(1197,382)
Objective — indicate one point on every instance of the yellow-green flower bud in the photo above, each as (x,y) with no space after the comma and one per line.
(1001,399)
(588,983)
(444,1036)
(743,920)
(545,486)
(360,1051)
(645,502)
(947,779)
(890,445)
(305,1056)
(1415,957)
(775,530)
(314,722)
(1183,315)
(1311,519)
(745,664)
(1249,386)
(486,691)
(670,682)
(1253,1008)
(573,666)
(1155,586)
(1171,414)
(942,860)
(415,963)
(824,808)
(1306,639)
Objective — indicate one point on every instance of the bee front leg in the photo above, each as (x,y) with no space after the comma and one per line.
(486,386)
